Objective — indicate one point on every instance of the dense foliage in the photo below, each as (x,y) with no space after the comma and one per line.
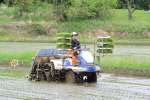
(140,4)
(68,10)
(76,15)
(64,10)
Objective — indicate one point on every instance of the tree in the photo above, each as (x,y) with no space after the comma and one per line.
(9,2)
(131,8)
(140,4)
(83,9)
(27,6)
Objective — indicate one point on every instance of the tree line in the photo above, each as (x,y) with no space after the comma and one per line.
(68,10)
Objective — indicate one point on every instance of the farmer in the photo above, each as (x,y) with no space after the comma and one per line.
(75,45)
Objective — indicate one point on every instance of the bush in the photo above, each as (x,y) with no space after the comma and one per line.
(16,13)
(37,29)
(2,32)
(9,11)
(26,17)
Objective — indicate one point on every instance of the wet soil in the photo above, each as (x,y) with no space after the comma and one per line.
(109,87)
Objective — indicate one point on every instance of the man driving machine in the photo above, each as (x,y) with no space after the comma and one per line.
(75,46)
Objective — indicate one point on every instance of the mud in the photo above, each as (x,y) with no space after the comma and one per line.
(108,87)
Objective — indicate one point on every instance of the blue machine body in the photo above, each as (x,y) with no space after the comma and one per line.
(85,58)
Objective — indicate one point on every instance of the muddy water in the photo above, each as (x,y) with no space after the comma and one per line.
(14,86)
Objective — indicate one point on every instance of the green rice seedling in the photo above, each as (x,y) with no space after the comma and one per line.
(104,51)
(104,40)
(17,73)
(125,61)
(63,35)
(63,41)
(63,46)
(22,56)
(106,46)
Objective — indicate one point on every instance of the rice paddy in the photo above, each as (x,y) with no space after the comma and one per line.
(124,56)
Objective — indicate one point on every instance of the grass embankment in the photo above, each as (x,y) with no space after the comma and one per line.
(24,58)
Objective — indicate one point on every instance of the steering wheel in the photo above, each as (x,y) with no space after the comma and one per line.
(81,48)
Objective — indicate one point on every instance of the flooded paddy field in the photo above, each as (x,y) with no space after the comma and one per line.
(10,47)
(14,85)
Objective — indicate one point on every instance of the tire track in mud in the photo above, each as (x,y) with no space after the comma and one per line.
(14,88)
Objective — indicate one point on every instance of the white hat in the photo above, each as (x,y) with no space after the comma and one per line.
(74,33)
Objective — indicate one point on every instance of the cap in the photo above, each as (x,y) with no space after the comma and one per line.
(74,33)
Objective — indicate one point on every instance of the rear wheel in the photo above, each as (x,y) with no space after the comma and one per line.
(92,78)
(70,77)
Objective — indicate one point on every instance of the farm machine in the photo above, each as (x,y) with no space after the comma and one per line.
(54,64)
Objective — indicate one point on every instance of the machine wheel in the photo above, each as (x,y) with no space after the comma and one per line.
(52,69)
(92,78)
(70,77)
(49,79)
(41,77)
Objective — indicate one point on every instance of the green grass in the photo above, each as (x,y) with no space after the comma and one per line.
(119,23)
(6,16)
(125,61)
(21,56)
(119,27)
(128,61)
(14,38)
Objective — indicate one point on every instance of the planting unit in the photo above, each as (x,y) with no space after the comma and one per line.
(104,47)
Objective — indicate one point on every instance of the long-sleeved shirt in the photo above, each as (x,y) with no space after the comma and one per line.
(75,43)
